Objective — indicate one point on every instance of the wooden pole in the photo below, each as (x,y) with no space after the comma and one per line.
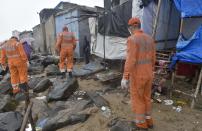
(169,21)
(197,89)
(181,25)
(172,83)
(156,20)
(24,123)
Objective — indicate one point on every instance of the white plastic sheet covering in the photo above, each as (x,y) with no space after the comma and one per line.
(115,47)
(92,26)
(136,11)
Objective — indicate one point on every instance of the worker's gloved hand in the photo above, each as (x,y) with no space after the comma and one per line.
(124,84)
(28,64)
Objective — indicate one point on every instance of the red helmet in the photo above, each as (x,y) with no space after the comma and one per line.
(65,28)
(134,21)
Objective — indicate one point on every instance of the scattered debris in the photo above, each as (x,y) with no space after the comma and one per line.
(98,100)
(106,111)
(168,102)
(177,109)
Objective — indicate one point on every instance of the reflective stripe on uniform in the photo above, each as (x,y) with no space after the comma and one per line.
(139,121)
(66,44)
(143,61)
(62,70)
(69,70)
(11,51)
(14,85)
(148,113)
(148,117)
(13,56)
(140,115)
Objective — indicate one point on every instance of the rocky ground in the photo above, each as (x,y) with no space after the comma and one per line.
(84,103)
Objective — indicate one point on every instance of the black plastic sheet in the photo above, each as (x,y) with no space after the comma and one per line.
(115,21)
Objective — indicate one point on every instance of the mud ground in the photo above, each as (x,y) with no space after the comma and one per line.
(165,118)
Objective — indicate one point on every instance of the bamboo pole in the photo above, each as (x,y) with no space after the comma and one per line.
(156,20)
(197,89)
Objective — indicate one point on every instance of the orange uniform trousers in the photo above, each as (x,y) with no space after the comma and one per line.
(140,90)
(18,70)
(66,59)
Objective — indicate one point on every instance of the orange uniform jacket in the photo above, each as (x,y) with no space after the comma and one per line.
(66,43)
(66,40)
(141,56)
(14,52)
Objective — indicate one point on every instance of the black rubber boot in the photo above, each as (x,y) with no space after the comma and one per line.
(63,75)
(24,87)
(70,74)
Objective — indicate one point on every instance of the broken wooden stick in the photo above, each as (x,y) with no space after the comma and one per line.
(26,117)
(197,89)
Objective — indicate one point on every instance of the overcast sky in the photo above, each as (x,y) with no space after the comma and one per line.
(22,14)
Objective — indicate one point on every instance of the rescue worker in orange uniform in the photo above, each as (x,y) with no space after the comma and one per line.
(66,44)
(13,51)
(138,73)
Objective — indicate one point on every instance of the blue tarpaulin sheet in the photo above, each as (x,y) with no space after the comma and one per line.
(189,51)
(189,8)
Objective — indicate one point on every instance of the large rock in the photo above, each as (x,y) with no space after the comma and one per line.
(10,121)
(34,57)
(7,104)
(66,117)
(22,97)
(34,70)
(6,77)
(50,60)
(63,90)
(3,72)
(5,87)
(39,109)
(52,70)
(42,85)
(88,69)
(34,81)
(97,99)
(120,125)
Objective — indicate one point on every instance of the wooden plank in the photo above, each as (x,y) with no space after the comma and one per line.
(184,93)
